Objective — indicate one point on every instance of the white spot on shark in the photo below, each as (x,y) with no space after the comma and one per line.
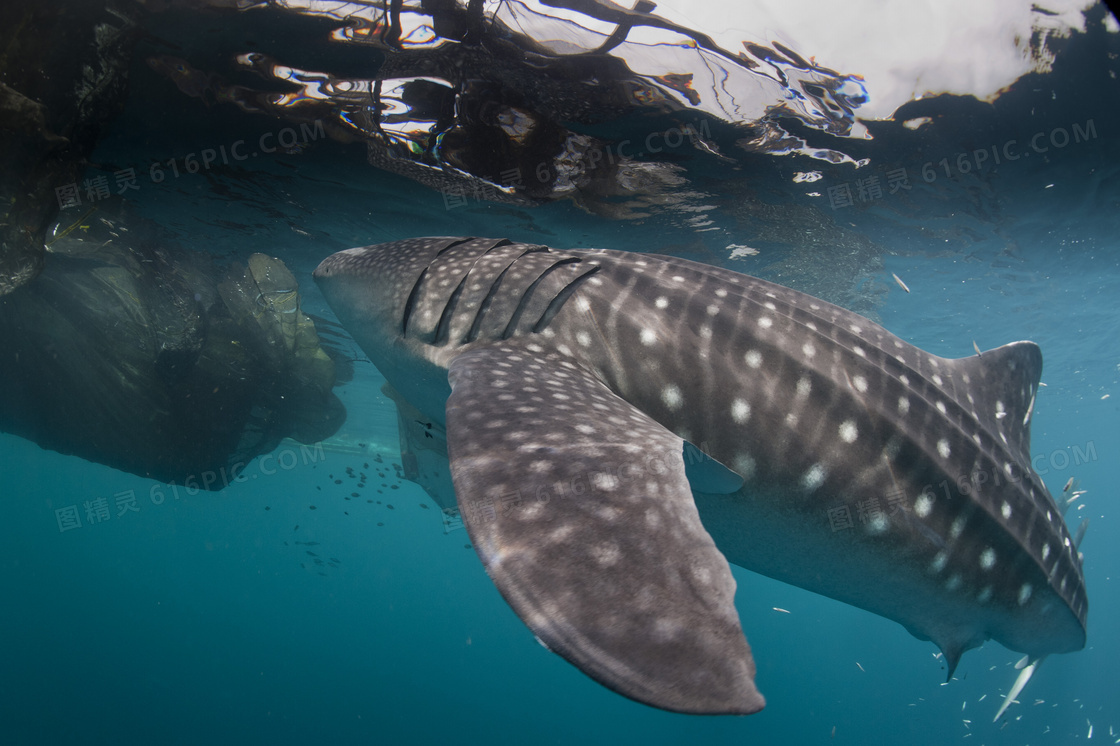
(661,302)
(671,396)
(606,554)
(753,358)
(808,349)
(1025,593)
(848,431)
(744,465)
(740,411)
(814,477)
(604,482)
(987,559)
(1005,511)
(860,383)
(903,405)
(765,322)
(648,337)
(943,448)
(804,386)
(923,506)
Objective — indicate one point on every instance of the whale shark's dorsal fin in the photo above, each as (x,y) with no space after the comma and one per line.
(580,509)
(1002,384)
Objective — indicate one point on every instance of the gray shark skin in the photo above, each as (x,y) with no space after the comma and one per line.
(827,453)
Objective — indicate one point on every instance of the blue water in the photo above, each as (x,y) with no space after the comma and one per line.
(197,618)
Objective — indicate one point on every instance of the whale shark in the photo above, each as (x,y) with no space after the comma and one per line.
(622,426)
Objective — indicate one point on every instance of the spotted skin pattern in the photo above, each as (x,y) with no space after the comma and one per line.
(828,453)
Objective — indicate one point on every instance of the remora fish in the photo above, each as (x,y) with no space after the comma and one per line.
(828,453)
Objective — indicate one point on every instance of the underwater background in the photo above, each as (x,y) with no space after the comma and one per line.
(323,598)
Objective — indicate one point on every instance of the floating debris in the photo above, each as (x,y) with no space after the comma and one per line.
(784,611)
(860,667)
(901,284)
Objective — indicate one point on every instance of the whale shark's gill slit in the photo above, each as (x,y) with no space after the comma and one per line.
(443,329)
(484,306)
(560,299)
(459,242)
(411,302)
(515,319)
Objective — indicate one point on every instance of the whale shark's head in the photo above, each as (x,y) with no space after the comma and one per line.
(376,292)
(375,284)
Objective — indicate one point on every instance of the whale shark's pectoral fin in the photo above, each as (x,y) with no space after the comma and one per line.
(580,509)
